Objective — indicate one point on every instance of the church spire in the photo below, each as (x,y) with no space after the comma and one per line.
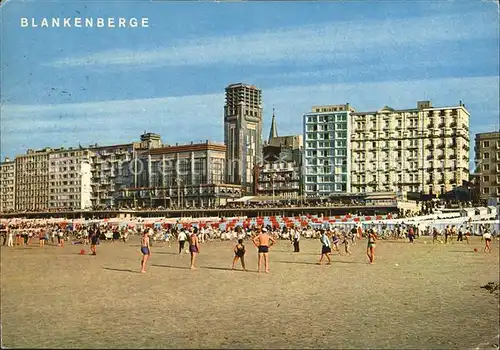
(274,131)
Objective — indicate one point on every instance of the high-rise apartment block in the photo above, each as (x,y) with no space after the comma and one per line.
(7,185)
(70,179)
(242,133)
(326,150)
(487,149)
(113,169)
(32,180)
(425,149)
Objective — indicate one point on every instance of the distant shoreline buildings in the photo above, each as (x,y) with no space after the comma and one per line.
(422,151)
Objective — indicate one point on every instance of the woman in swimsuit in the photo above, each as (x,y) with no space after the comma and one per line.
(487,238)
(145,250)
(194,248)
(370,250)
(239,253)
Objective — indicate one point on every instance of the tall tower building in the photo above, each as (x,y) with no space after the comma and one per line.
(326,150)
(242,133)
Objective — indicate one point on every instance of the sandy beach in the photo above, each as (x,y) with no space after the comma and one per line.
(415,296)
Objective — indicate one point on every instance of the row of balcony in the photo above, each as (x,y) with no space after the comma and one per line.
(278,187)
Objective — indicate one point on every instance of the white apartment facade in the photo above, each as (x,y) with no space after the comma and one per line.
(70,179)
(424,150)
(327,159)
(7,185)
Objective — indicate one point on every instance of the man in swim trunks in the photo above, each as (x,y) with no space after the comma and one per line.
(261,241)
(145,250)
(194,248)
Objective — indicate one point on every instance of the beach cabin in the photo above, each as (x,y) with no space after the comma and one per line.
(492,211)
(482,212)
(467,212)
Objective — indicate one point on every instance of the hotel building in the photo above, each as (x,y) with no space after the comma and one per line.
(180,176)
(425,149)
(487,149)
(279,175)
(326,150)
(7,185)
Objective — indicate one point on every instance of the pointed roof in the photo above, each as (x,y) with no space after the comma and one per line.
(274,131)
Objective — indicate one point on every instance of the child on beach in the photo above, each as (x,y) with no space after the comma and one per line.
(335,242)
(326,248)
(239,253)
(346,243)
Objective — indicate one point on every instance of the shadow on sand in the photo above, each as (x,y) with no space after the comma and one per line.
(224,269)
(121,270)
(172,267)
(201,268)
(315,263)
(466,251)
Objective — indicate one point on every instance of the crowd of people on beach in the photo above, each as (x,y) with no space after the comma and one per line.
(332,238)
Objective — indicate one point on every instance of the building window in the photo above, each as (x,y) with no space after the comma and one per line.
(486,155)
(486,178)
(486,167)
(486,190)
(486,143)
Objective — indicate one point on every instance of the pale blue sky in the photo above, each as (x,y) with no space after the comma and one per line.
(65,86)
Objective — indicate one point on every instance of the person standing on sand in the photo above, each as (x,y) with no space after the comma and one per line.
(467,235)
(453,232)
(446,234)
(145,250)
(435,235)
(3,230)
(460,237)
(94,236)
(60,235)
(10,238)
(487,239)
(261,241)
(296,240)
(326,248)
(239,253)
(41,238)
(182,240)
(346,243)
(370,250)
(411,235)
(194,248)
